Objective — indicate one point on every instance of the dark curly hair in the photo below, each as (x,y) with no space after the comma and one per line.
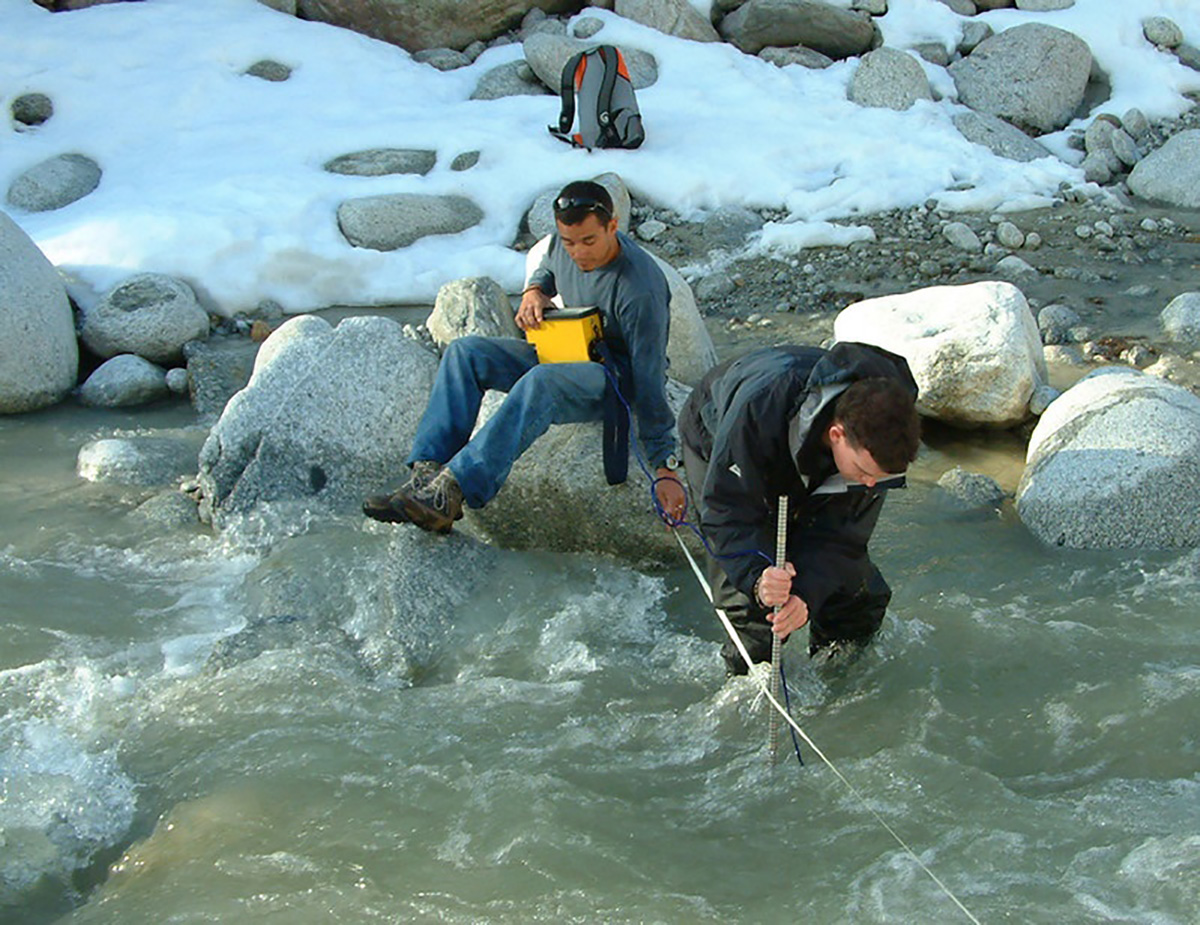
(880,416)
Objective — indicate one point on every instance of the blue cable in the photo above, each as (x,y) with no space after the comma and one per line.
(658,508)
(683,522)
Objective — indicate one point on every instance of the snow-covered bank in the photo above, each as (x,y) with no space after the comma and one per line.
(216,177)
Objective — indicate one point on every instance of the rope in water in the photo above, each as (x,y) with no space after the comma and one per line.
(782,711)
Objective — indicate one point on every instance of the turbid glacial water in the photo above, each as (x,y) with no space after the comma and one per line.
(328,724)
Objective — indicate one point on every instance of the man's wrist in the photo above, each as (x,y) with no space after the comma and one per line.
(757,587)
(670,463)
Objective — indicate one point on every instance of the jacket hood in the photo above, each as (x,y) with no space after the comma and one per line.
(844,364)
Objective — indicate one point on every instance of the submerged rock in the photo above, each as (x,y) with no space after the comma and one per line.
(149,460)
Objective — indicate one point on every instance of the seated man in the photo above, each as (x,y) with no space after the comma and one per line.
(589,263)
(826,428)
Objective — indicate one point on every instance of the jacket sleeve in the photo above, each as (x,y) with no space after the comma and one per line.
(644,322)
(735,514)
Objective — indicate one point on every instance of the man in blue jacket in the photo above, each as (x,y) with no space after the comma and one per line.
(589,263)
(831,430)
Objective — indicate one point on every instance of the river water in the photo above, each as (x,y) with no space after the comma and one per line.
(282,725)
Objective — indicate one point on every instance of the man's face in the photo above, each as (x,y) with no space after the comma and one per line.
(592,243)
(854,463)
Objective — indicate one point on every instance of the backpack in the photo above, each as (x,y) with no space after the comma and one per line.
(596,82)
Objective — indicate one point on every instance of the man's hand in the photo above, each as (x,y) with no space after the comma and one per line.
(533,307)
(789,618)
(774,589)
(671,496)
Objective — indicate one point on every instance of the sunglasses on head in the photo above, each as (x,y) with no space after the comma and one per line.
(587,203)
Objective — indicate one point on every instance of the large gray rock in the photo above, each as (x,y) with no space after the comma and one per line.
(1115,462)
(54,183)
(39,356)
(561,476)
(835,32)
(516,78)
(380,162)
(547,54)
(1172,173)
(123,382)
(1032,75)
(149,314)
(420,24)
(327,417)
(974,350)
(390,222)
(674,17)
(888,78)
(156,459)
(1002,138)
(476,305)
(1181,320)
(690,349)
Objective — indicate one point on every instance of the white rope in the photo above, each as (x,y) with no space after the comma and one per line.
(737,641)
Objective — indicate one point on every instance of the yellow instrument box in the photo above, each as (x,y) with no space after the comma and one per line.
(565,335)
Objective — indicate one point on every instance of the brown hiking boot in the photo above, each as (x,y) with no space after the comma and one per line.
(436,505)
(387,507)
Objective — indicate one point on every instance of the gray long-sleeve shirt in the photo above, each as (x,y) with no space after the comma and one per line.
(633,297)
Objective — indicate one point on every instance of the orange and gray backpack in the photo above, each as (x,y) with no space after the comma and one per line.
(597,84)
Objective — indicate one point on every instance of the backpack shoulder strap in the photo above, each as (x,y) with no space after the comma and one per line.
(567,85)
(611,59)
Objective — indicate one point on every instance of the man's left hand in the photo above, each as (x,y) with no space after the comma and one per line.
(671,497)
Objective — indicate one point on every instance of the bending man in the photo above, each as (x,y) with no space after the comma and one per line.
(589,262)
(831,429)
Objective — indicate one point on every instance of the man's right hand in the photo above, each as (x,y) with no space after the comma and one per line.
(775,590)
(533,307)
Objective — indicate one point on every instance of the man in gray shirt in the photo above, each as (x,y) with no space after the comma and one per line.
(589,262)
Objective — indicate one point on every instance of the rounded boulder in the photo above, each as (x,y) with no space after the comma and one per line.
(39,356)
(150,315)
(1115,463)
(974,350)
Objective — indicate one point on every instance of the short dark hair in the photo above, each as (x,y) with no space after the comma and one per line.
(880,416)
(575,200)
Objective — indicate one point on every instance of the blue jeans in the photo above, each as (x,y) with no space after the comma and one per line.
(538,395)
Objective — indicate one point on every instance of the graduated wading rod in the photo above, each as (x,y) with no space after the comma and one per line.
(776,644)
(787,717)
